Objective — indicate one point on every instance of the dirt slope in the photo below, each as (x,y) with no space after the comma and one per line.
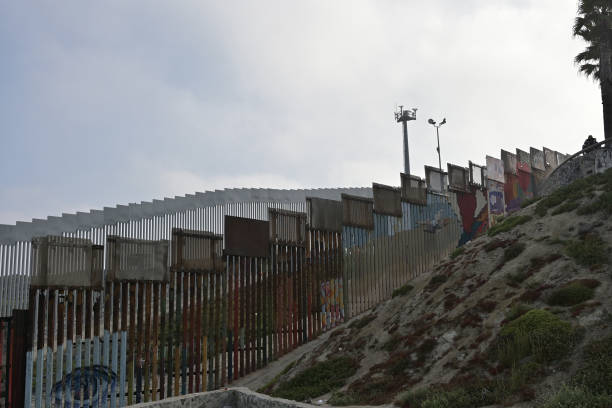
(521,316)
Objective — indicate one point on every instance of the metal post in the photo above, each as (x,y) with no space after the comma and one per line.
(439,158)
(406,152)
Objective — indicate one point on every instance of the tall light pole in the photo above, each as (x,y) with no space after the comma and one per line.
(404,116)
(433,123)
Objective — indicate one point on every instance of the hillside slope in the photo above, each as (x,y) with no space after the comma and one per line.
(520,316)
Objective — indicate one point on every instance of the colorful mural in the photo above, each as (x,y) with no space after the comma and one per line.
(473,213)
(496,201)
(517,188)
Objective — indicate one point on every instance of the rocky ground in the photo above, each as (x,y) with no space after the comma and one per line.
(519,317)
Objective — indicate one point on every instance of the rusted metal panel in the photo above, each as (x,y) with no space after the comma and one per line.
(510,161)
(414,189)
(458,177)
(136,260)
(196,249)
(324,214)
(437,180)
(387,200)
(246,237)
(357,211)
(66,262)
(523,161)
(537,159)
(287,226)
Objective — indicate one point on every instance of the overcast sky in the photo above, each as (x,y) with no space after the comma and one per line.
(105,103)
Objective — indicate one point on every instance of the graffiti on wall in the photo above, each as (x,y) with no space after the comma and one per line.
(433,218)
(523,161)
(517,189)
(495,169)
(89,383)
(603,160)
(332,302)
(509,160)
(537,159)
(550,157)
(472,209)
(496,201)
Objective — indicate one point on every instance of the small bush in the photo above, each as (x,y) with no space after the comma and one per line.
(477,394)
(362,322)
(570,295)
(592,250)
(513,251)
(529,201)
(341,399)
(566,207)
(602,203)
(508,224)
(402,291)
(317,380)
(596,373)
(436,281)
(516,311)
(391,344)
(537,333)
(517,277)
(575,397)
(457,252)
(266,389)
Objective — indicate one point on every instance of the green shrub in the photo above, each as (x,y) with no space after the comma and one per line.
(602,203)
(477,394)
(436,281)
(513,251)
(402,291)
(362,322)
(575,397)
(537,333)
(457,252)
(592,250)
(529,201)
(570,295)
(266,389)
(341,399)
(391,344)
(317,380)
(595,375)
(566,207)
(508,224)
(516,311)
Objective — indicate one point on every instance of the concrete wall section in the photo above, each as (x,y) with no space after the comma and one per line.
(228,398)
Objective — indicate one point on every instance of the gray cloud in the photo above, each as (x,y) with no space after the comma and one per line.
(122,102)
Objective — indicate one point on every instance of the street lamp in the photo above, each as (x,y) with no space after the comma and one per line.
(433,122)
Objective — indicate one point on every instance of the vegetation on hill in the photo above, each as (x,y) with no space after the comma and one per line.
(522,315)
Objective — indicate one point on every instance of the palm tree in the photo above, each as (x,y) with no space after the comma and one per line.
(594,25)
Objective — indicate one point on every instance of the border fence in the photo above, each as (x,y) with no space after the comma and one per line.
(144,302)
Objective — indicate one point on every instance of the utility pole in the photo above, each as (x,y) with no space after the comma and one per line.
(404,116)
(433,123)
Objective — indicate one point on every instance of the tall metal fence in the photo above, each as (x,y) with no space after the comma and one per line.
(113,325)
(143,302)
